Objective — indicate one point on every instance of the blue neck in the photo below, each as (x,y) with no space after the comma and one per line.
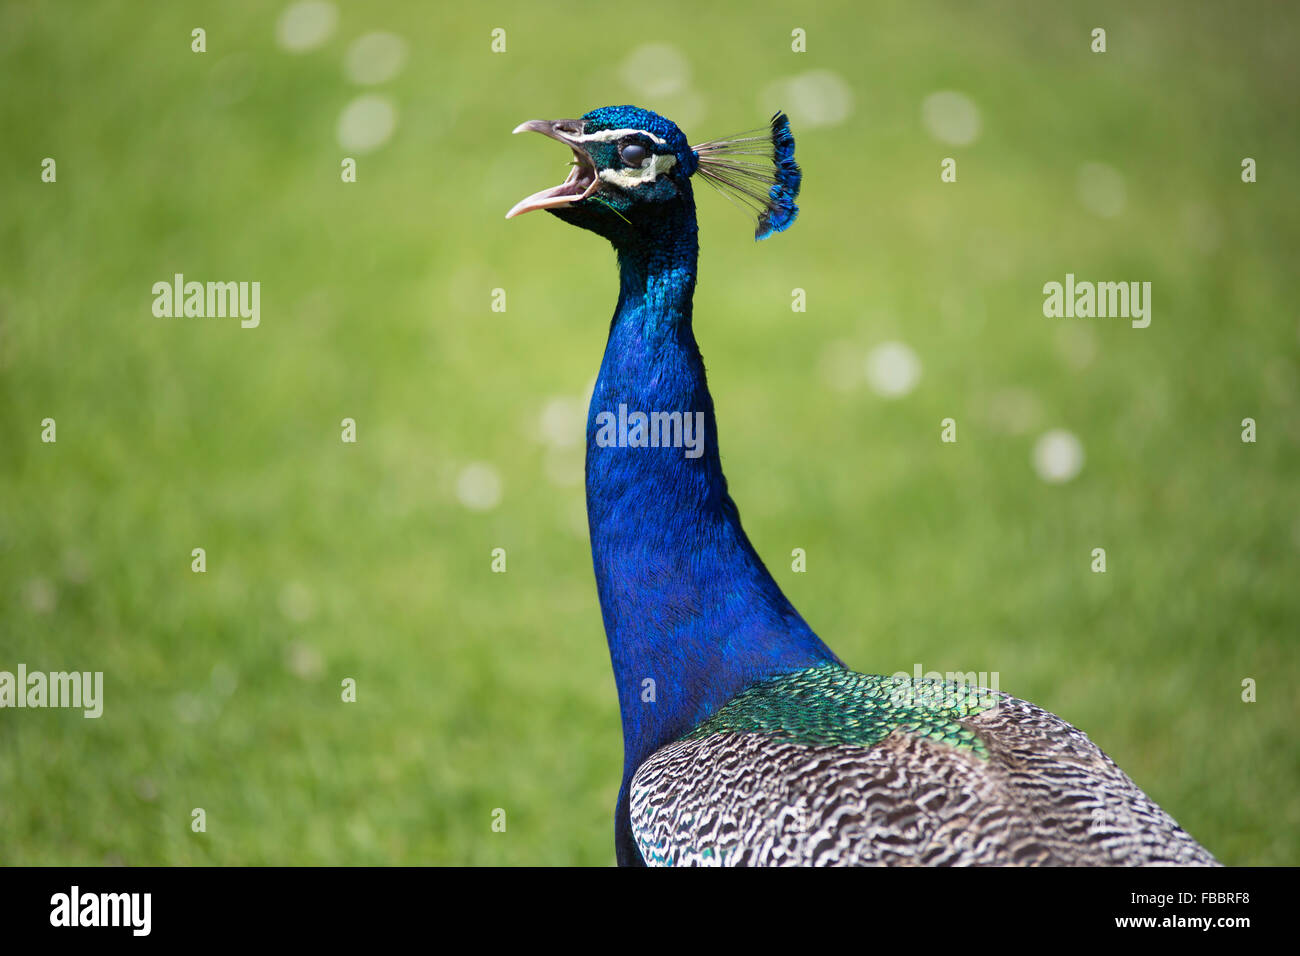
(687,603)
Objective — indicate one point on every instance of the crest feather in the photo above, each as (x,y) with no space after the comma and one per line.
(756,169)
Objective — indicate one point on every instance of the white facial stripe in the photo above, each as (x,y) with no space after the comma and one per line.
(609,135)
(630,178)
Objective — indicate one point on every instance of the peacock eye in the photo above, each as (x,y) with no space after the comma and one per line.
(633,155)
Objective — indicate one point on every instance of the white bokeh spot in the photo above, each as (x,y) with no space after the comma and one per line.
(893,369)
(1012,410)
(478,486)
(951,117)
(1058,456)
(304,661)
(306,25)
(656,69)
(815,98)
(297,603)
(562,423)
(366,123)
(375,58)
(1101,189)
(41,597)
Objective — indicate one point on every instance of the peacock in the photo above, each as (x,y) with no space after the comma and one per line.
(747,741)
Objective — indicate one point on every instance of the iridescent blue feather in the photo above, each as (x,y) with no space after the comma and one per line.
(759,170)
(746,740)
(781,211)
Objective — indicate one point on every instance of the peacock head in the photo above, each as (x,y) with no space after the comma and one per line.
(631,166)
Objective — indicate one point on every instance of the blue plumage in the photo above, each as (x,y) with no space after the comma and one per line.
(691,614)
(636,118)
(745,738)
(759,170)
(781,212)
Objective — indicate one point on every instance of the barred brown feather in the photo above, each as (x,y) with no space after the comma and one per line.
(1044,795)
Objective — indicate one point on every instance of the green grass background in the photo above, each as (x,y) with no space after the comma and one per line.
(480,690)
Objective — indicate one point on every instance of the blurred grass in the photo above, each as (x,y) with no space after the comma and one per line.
(478,690)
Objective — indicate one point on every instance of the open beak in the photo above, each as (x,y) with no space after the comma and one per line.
(582,178)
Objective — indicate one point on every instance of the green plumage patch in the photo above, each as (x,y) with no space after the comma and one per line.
(827,705)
